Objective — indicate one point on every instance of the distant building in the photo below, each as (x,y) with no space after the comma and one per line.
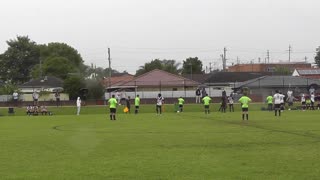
(270,67)
(313,73)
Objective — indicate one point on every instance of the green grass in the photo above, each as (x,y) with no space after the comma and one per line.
(189,145)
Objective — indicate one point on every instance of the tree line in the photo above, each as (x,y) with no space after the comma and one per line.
(24,60)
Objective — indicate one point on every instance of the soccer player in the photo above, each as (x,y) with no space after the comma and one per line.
(137,104)
(270,102)
(290,100)
(180,102)
(282,96)
(277,103)
(113,107)
(160,101)
(245,100)
(78,105)
(230,102)
(206,101)
(312,98)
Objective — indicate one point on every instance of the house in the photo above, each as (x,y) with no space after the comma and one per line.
(45,86)
(217,82)
(263,86)
(307,72)
(267,67)
(148,85)
(116,79)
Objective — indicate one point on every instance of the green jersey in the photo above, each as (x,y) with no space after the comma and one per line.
(137,101)
(269,99)
(181,101)
(244,100)
(206,100)
(112,103)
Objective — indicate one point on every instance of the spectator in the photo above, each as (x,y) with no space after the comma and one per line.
(57,95)
(15,97)
(78,106)
(35,97)
(198,96)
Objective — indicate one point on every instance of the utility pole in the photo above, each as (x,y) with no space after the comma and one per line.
(290,52)
(224,58)
(238,61)
(210,67)
(109,59)
(305,59)
(268,56)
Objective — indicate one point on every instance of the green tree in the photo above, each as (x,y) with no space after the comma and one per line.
(283,71)
(166,65)
(59,59)
(72,86)
(96,90)
(192,66)
(18,60)
(317,57)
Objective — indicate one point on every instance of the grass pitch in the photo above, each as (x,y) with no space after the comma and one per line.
(189,145)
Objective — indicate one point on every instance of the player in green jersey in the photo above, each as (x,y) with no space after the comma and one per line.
(113,107)
(244,100)
(180,102)
(137,104)
(206,102)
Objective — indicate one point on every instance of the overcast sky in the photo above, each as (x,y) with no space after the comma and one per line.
(138,31)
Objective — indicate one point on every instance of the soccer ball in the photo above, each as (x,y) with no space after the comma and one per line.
(178,111)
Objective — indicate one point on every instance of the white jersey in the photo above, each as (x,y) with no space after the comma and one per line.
(277,98)
(282,98)
(78,102)
(312,97)
(289,93)
(303,99)
(160,100)
(230,100)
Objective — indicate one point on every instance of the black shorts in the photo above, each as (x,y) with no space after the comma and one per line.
(303,103)
(245,109)
(206,106)
(277,106)
(180,105)
(113,110)
(137,107)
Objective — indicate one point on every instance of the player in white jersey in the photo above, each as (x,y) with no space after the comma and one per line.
(277,103)
(160,101)
(282,96)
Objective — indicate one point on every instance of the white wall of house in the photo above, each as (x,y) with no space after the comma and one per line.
(212,92)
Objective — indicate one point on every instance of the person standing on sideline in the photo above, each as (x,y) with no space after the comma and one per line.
(160,101)
(282,105)
(15,97)
(203,92)
(269,102)
(137,104)
(206,102)
(113,107)
(78,105)
(230,102)
(277,103)
(128,105)
(245,100)
(198,95)
(35,97)
(57,95)
(180,102)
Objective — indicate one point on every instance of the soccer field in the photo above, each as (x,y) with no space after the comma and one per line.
(189,145)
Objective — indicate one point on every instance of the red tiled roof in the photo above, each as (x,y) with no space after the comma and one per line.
(158,77)
(116,80)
